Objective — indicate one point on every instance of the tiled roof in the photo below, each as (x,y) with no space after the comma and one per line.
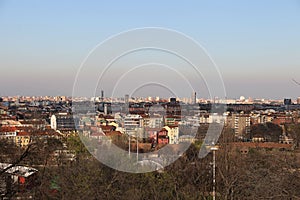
(97,134)
(23,134)
(8,129)
(113,133)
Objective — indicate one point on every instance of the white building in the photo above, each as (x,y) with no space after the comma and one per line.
(62,122)
(173,134)
(208,118)
(133,124)
(53,122)
(153,122)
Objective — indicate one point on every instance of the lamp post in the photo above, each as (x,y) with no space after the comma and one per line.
(129,145)
(137,147)
(214,148)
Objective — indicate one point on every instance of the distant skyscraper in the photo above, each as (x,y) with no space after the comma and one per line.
(173,100)
(126,98)
(126,105)
(102,95)
(298,100)
(194,96)
(287,102)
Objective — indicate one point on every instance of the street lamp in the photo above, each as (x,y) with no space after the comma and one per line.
(214,148)
(137,147)
(129,145)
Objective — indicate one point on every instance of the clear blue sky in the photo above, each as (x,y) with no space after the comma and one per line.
(256,44)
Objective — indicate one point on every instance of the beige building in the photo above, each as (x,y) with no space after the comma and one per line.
(241,124)
(22,139)
(173,134)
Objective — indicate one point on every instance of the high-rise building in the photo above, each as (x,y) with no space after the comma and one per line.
(241,124)
(126,105)
(194,96)
(298,100)
(126,98)
(102,95)
(105,108)
(287,101)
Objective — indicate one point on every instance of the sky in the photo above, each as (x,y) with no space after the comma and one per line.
(255,44)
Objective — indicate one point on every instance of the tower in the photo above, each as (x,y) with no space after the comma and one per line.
(126,98)
(126,105)
(193,98)
(287,103)
(102,95)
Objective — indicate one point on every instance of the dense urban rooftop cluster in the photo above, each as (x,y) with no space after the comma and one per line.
(152,119)
(143,124)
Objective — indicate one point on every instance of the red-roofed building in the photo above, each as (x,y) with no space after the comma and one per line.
(101,138)
(162,136)
(114,133)
(8,133)
(8,129)
(108,128)
(282,119)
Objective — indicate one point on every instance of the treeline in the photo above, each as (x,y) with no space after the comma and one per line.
(260,174)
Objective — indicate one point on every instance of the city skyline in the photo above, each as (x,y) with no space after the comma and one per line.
(255,44)
(154,99)
(150,99)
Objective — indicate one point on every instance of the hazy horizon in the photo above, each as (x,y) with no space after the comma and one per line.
(255,45)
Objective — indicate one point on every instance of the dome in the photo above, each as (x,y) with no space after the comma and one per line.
(242,98)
